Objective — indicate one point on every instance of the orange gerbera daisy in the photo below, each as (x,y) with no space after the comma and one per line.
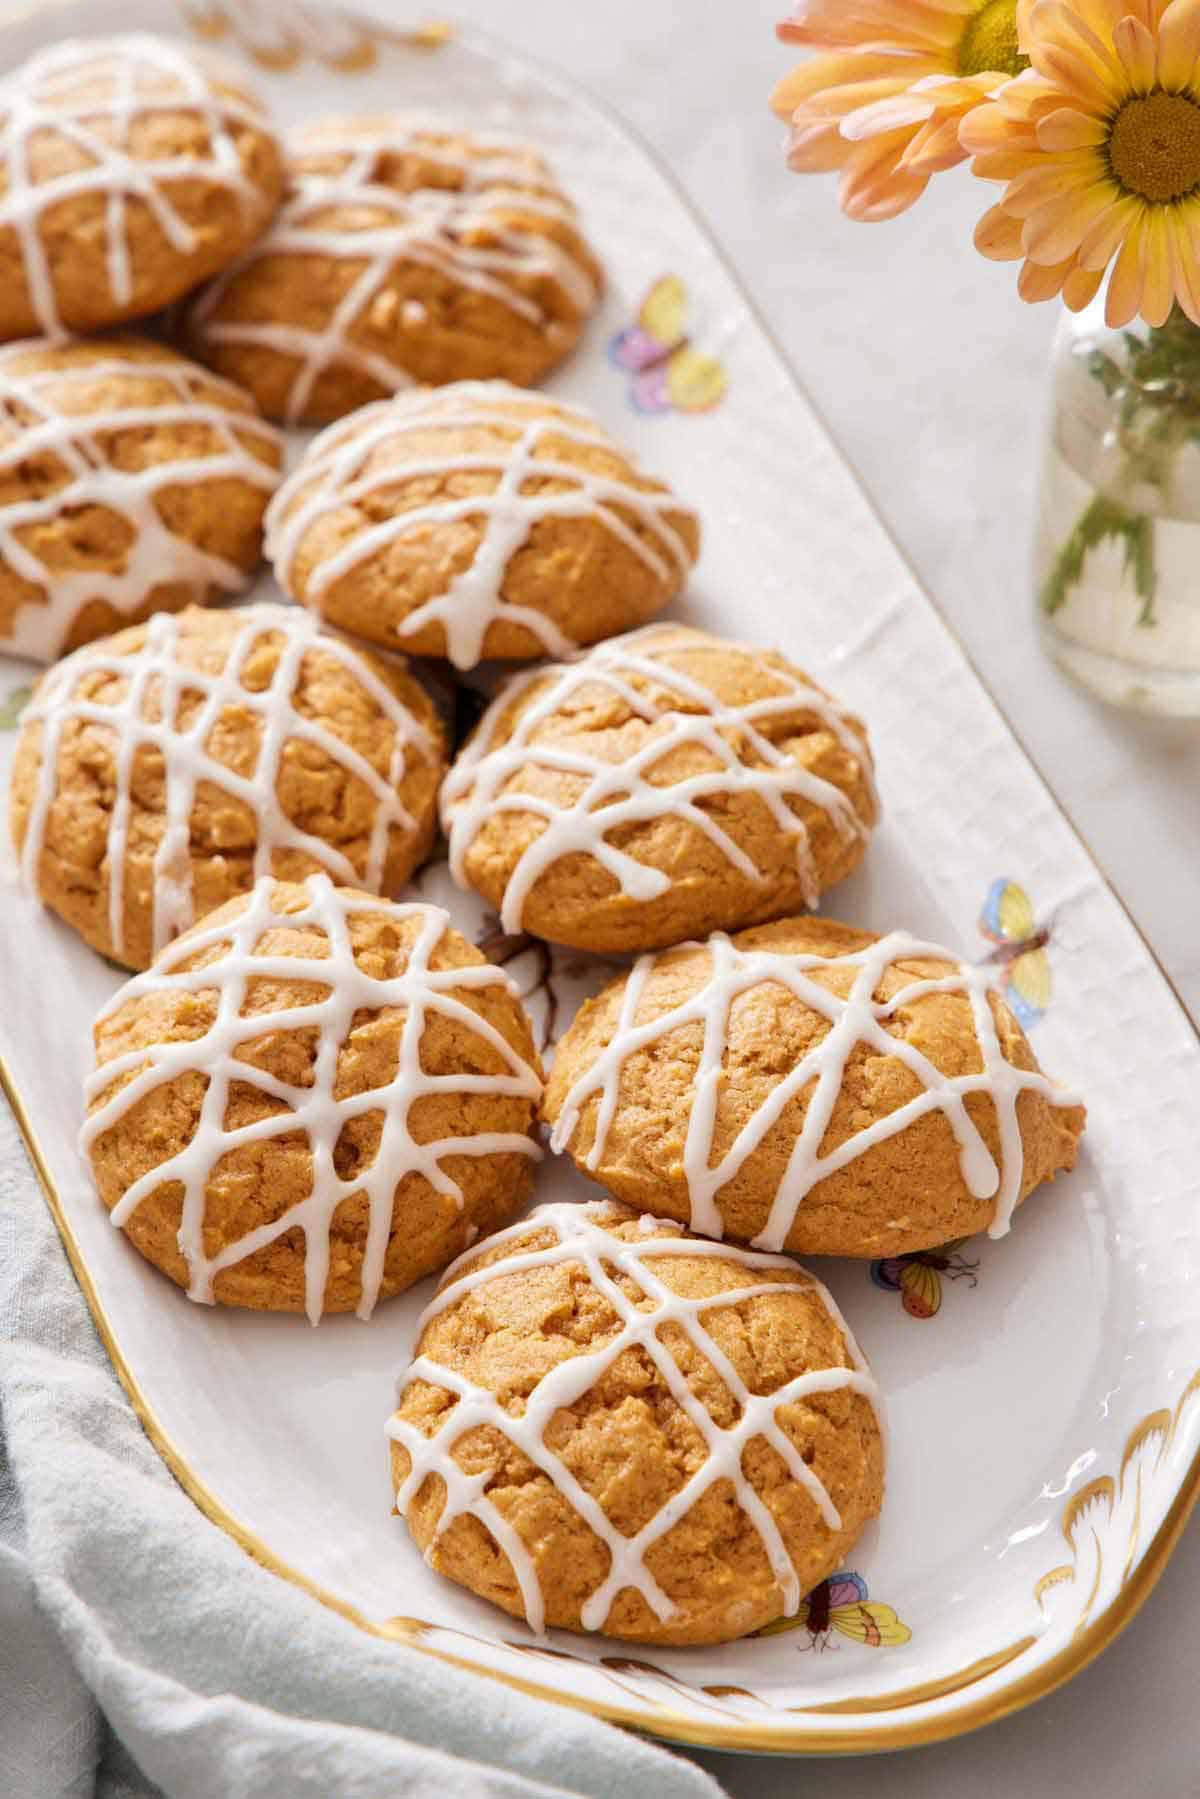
(1099,144)
(884,102)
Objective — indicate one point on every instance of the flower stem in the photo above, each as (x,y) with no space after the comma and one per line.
(1103,519)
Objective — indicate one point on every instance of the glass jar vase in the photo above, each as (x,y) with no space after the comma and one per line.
(1118,539)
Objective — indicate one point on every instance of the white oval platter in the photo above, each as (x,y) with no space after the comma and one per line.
(1045,1418)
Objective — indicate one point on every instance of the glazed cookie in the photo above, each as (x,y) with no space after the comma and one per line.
(810,1087)
(131,481)
(161,771)
(400,255)
(130,169)
(613,1426)
(478,521)
(666,783)
(312,1099)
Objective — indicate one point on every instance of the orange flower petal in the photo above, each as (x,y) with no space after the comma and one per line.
(1125,283)
(821,73)
(998,236)
(1184,266)
(1036,283)
(1158,285)
(1101,242)
(1138,52)
(1054,175)
(985,129)
(1080,288)
(935,149)
(1179,46)
(899,112)
(1067,129)
(912,24)
(1056,230)
(873,187)
(1078,79)
(817,148)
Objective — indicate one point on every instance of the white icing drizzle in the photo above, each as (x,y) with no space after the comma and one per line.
(334,475)
(421,991)
(36,402)
(440,227)
(611,794)
(857,1018)
(157,673)
(579,1237)
(54,93)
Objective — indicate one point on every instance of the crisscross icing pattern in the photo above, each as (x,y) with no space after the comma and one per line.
(580,1237)
(420,990)
(34,400)
(857,1018)
(54,92)
(465,229)
(335,474)
(155,679)
(612,794)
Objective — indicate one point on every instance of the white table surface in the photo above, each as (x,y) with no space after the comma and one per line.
(929,373)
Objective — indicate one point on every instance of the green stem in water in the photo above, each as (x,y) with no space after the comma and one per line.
(1102,520)
(1154,390)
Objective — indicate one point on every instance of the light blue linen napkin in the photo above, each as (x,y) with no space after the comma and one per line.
(124,1613)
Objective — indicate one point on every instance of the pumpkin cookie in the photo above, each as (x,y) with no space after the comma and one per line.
(811,1087)
(478,521)
(612,1426)
(400,255)
(161,771)
(664,784)
(130,169)
(313,1099)
(131,481)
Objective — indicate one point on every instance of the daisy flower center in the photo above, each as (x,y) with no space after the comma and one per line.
(988,45)
(1154,147)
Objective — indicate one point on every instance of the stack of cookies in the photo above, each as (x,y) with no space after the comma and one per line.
(636,1414)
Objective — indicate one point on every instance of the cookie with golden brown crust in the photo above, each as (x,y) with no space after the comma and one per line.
(401,254)
(132,481)
(131,168)
(161,771)
(613,1426)
(811,1087)
(665,784)
(477,521)
(314,1098)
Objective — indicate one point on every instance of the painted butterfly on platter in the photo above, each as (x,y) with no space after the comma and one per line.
(917,1277)
(1008,921)
(668,375)
(840,1604)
